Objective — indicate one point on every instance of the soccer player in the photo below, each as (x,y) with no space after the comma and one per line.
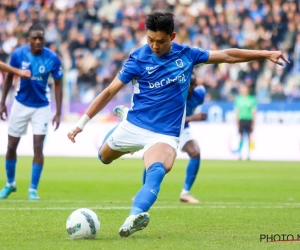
(245,108)
(31,104)
(187,143)
(20,72)
(160,72)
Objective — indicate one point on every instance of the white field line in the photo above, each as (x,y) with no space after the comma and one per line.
(154,207)
(221,203)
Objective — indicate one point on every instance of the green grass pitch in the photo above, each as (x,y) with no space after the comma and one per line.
(239,201)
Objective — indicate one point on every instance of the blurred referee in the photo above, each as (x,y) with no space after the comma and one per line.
(245,108)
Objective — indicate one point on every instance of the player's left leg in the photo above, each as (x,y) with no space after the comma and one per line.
(37,166)
(193,150)
(249,131)
(10,167)
(158,159)
(39,121)
(107,153)
(17,126)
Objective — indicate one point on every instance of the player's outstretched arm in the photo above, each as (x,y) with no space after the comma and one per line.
(243,55)
(196,117)
(97,105)
(20,72)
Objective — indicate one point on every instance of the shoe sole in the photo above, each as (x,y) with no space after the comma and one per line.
(118,112)
(34,199)
(186,201)
(139,223)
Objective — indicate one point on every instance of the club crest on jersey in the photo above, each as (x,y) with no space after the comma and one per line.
(179,63)
(42,69)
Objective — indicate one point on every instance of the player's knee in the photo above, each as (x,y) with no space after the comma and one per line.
(194,154)
(11,149)
(104,160)
(38,148)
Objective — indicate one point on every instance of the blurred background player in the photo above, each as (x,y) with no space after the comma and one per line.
(20,72)
(31,104)
(196,96)
(245,108)
(187,143)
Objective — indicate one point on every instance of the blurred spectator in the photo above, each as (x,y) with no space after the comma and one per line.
(94,37)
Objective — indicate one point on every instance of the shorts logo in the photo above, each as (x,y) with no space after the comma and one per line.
(42,69)
(179,63)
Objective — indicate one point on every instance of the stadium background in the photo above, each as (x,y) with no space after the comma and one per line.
(94,38)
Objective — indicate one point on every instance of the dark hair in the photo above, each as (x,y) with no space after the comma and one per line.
(159,21)
(36,27)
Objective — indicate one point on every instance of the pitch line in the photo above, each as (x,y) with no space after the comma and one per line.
(220,203)
(154,207)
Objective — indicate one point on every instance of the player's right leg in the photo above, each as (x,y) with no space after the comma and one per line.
(158,159)
(17,126)
(191,147)
(106,154)
(192,169)
(10,166)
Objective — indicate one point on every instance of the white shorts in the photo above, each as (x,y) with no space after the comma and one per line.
(21,115)
(130,138)
(185,136)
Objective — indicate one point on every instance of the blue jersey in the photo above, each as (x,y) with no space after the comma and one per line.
(196,99)
(34,92)
(160,86)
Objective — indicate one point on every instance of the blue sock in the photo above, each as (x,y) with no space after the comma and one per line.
(104,140)
(191,173)
(144,176)
(10,166)
(35,175)
(147,195)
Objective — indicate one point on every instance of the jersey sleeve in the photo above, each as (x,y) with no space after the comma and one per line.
(200,93)
(57,71)
(199,55)
(129,71)
(14,60)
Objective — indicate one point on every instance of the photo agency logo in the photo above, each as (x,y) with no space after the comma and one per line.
(279,237)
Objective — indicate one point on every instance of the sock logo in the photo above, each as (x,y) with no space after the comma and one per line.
(153,192)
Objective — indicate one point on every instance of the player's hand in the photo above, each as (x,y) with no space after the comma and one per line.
(275,57)
(203,116)
(56,121)
(3,112)
(73,132)
(24,73)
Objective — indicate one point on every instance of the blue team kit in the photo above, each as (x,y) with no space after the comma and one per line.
(33,92)
(159,82)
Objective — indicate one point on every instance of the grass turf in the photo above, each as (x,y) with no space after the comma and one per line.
(239,202)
